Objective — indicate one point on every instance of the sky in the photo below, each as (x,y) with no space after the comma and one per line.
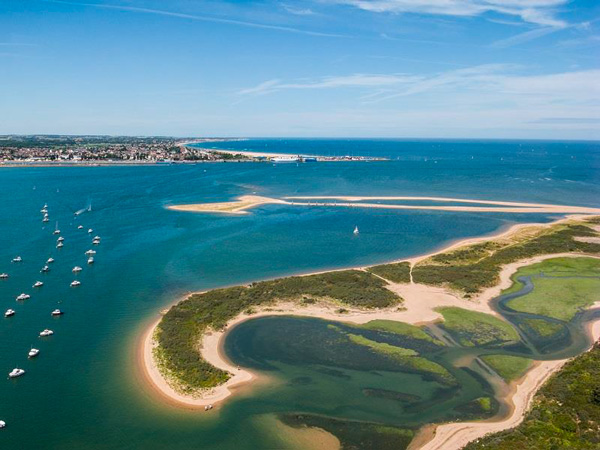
(509,69)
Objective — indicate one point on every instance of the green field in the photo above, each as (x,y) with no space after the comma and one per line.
(508,367)
(560,298)
(542,327)
(472,328)
(565,413)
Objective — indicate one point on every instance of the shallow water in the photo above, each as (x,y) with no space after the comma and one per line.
(83,391)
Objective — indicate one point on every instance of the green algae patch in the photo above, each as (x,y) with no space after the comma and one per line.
(507,366)
(471,328)
(401,328)
(382,347)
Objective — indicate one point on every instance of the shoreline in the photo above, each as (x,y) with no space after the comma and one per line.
(419,301)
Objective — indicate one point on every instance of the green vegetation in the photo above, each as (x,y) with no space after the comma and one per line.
(405,329)
(471,328)
(559,298)
(542,328)
(565,412)
(557,267)
(355,435)
(392,351)
(396,272)
(408,358)
(507,366)
(471,269)
(180,329)
(391,395)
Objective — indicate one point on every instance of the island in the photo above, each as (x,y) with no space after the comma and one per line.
(510,310)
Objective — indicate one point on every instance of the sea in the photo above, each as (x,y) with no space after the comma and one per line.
(85,390)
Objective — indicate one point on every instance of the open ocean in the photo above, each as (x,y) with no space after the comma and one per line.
(84,391)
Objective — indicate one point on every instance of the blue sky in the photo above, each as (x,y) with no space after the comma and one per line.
(352,68)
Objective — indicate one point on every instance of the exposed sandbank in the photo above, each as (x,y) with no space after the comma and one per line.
(246,202)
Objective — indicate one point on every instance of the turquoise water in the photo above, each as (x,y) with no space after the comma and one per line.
(83,390)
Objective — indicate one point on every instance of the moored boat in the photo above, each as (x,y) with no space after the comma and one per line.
(16,372)
(17,259)
(45,269)
(3,275)
(9,313)
(38,284)
(75,283)
(46,332)
(90,252)
(33,353)
(77,269)
(56,312)
(50,261)
(60,245)
(90,260)
(23,296)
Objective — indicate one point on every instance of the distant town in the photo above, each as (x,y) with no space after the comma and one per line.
(101,150)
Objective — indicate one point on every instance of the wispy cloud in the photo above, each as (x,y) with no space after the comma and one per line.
(525,37)
(201,18)
(541,12)
(298,11)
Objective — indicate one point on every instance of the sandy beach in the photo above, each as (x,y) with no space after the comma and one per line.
(420,302)
(246,202)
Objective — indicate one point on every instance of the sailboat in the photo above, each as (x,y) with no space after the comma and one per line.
(355,230)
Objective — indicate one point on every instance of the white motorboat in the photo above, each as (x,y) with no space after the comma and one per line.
(16,373)
(17,259)
(3,275)
(91,260)
(38,284)
(80,227)
(96,238)
(46,332)
(23,296)
(45,269)
(57,231)
(57,312)
(60,239)
(355,230)
(96,242)
(2,423)
(9,313)
(60,245)
(90,252)
(33,352)
(44,210)
(50,261)
(45,219)
(90,230)
(75,283)
(77,269)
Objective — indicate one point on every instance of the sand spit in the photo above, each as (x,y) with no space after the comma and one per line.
(246,202)
(420,302)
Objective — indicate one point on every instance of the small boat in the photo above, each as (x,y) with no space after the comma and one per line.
(56,231)
(45,219)
(90,230)
(208,407)
(9,313)
(50,261)
(90,252)
(45,269)
(38,284)
(56,312)
(46,332)
(60,239)
(80,227)
(2,423)
(77,269)
(23,297)
(3,275)
(33,353)
(17,259)
(96,238)
(16,373)
(96,242)
(91,260)
(60,245)
(44,210)
(75,283)
(355,230)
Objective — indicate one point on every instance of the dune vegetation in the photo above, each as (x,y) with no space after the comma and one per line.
(565,412)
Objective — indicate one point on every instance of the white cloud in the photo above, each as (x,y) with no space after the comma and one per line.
(541,12)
